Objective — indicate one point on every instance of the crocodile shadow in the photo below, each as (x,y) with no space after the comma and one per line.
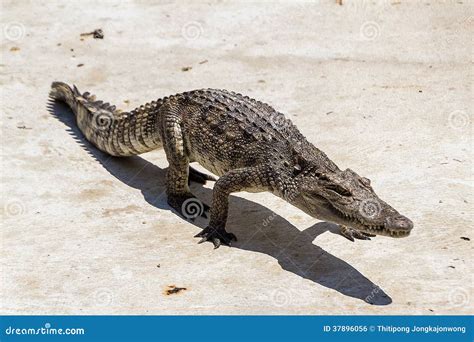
(270,234)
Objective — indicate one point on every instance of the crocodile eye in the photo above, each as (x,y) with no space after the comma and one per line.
(339,190)
(322,177)
(296,170)
(365,181)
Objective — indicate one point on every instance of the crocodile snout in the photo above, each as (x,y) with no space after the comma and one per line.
(399,223)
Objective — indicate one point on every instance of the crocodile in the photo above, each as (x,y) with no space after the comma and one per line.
(250,147)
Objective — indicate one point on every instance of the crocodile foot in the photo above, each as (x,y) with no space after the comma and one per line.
(351,233)
(216,236)
(188,206)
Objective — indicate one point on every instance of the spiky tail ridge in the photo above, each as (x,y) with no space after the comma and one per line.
(110,130)
(62,92)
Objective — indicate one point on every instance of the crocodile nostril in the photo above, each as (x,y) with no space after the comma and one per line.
(398,222)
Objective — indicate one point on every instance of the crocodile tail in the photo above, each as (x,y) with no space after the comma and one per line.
(94,118)
(109,129)
(62,92)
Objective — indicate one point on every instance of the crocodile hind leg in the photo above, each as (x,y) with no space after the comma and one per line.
(245,179)
(178,194)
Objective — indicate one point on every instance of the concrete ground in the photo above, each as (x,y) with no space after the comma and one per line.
(384,88)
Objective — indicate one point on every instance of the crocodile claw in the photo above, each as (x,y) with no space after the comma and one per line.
(351,233)
(199,177)
(217,236)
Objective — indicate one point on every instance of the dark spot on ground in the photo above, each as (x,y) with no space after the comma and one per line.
(80,65)
(465,238)
(23,127)
(172,289)
(96,34)
(187,68)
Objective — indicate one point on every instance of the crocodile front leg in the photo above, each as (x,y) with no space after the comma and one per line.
(351,233)
(245,179)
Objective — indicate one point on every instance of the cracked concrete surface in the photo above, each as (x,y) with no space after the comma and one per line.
(384,88)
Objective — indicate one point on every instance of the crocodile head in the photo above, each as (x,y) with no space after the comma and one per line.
(345,198)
